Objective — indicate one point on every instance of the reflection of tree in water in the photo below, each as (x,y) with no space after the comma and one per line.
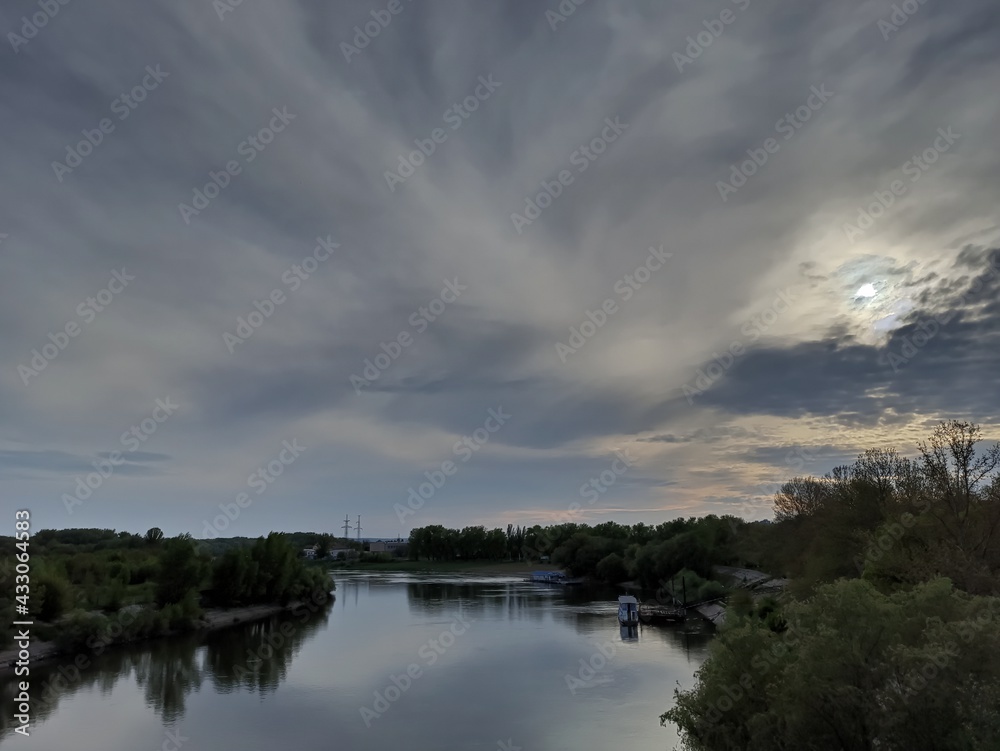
(169,669)
(497,599)
(259,659)
(52,681)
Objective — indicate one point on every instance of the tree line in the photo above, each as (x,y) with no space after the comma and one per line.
(890,637)
(682,549)
(81,576)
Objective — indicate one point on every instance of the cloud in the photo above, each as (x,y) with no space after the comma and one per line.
(817,374)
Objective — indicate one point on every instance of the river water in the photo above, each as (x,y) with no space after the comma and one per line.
(424,662)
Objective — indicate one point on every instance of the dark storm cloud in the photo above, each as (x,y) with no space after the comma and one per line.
(779,456)
(945,358)
(324,175)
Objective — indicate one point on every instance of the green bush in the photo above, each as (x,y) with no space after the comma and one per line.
(612,569)
(79,628)
(853,669)
(53,592)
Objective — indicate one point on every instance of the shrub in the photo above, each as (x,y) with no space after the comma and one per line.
(612,569)
(79,628)
(54,595)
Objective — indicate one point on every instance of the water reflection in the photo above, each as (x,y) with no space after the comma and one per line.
(167,670)
(260,658)
(546,667)
(252,656)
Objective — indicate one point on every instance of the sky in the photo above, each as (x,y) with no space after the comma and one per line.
(495,263)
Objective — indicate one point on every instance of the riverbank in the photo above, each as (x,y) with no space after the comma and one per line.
(482,568)
(213,619)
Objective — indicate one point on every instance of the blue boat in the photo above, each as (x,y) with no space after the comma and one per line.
(548,577)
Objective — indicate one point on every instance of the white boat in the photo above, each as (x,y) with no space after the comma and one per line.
(628,610)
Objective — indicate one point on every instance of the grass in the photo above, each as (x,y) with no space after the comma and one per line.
(451,567)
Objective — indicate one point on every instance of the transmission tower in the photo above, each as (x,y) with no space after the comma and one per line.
(347,527)
(358,528)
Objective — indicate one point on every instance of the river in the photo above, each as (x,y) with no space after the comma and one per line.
(426,662)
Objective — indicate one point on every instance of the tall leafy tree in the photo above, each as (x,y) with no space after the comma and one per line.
(179,572)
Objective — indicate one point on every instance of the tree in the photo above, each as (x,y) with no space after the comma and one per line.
(959,479)
(878,469)
(611,568)
(852,670)
(799,497)
(154,535)
(179,571)
(323,545)
(230,577)
(53,592)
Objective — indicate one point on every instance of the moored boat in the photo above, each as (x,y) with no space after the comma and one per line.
(548,577)
(650,613)
(628,610)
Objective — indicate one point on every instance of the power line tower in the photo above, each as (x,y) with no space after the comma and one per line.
(347,527)
(358,528)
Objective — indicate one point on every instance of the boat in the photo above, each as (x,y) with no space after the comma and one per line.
(650,613)
(628,610)
(548,577)
(554,577)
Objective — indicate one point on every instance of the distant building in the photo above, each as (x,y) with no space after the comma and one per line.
(309,553)
(396,547)
(348,553)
